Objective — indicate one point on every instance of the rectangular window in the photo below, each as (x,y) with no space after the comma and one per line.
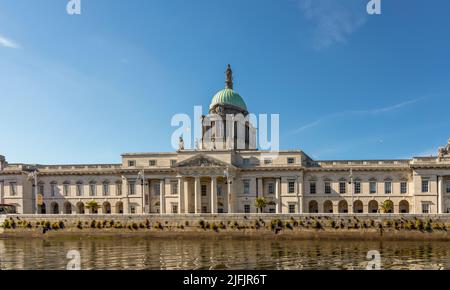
(203,189)
(448,186)
(342,187)
(357,187)
(312,188)
(79,189)
(174,187)
(204,209)
(246,187)
(174,208)
(219,190)
(132,209)
(373,187)
(246,161)
(268,161)
(271,188)
(92,189)
(152,163)
(13,188)
(105,189)
(131,163)
(157,189)
(388,187)
(173,162)
(425,185)
(291,160)
(291,187)
(425,208)
(41,189)
(327,187)
(220,210)
(403,187)
(131,188)
(247,208)
(292,208)
(66,189)
(119,189)
(272,210)
(53,189)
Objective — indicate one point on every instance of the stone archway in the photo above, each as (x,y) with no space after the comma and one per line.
(106,208)
(119,207)
(404,206)
(313,207)
(67,208)
(54,208)
(328,206)
(373,206)
(80,208)
(358,207)
(343,206)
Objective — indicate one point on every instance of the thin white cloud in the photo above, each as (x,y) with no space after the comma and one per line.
(6,42)
(334,20)
(356,112)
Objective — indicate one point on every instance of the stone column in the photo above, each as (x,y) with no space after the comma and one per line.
(214,194)
(277,196)
(2,193)
(197,195)
(162,197)
(180,195)
(299,196)
(187,196)
(440,195)
(229,195)
(260,187)
(126,202)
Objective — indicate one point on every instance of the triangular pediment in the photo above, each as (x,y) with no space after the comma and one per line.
(202,160)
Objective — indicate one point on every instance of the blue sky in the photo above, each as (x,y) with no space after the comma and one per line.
(347,85)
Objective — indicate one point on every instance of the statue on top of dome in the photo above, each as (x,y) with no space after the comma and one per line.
(229,81)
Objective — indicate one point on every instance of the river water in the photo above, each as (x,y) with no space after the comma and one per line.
(142,253)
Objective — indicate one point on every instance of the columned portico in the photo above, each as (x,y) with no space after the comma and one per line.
(197,195)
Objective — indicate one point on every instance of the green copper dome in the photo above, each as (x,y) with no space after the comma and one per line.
(228,97)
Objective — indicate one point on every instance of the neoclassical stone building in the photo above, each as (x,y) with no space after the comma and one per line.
(220,177)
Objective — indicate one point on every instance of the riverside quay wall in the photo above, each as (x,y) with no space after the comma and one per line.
(289,226)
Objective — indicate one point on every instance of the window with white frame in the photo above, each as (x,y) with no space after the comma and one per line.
(66,189)
(327,187)
(425,185)
(174,187)
(246,161)
(41,188)
(291,186)
(13,188)
(425,207)
(204,189)
(152,163)
(131,163)
(119,188)
(157,189)
(271,188)
(53,189)
(403,187)
(79,189)
(291,160)
(246,186)
(173,162)
(357,187)
(292,208)
(373,187)
(174,207)
(106,188)
(388,187)
(312,187)
(247,208)
(92,189)
(268,161)
(342,187)
(219,190)
(131,187)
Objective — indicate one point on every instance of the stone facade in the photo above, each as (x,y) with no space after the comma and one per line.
(225,179)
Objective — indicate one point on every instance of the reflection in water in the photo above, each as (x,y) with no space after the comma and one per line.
(140,253)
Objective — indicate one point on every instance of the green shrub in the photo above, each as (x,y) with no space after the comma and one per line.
(61,225)
(142,226)
(332,224)
(158,226)
(202,224)
(93,224)
(99,225)
(135,226)
(111,223)
(214,227)
(80,225)
(55,226)
(317,225)
(427,226)
(7,224)
(47,225)
(419,225)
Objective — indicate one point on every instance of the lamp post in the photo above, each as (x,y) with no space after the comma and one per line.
(34,176)
(141,176)
(228,182)
(351,187)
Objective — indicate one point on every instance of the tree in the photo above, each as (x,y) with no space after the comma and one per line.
(93,206)
(260,203)
(387,206)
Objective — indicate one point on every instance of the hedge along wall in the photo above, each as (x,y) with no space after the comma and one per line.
(226,221)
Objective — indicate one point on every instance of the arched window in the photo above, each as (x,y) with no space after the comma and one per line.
(404,206)
(358,206)
(106,188)
(313,206)
(343,206)
(328,207)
